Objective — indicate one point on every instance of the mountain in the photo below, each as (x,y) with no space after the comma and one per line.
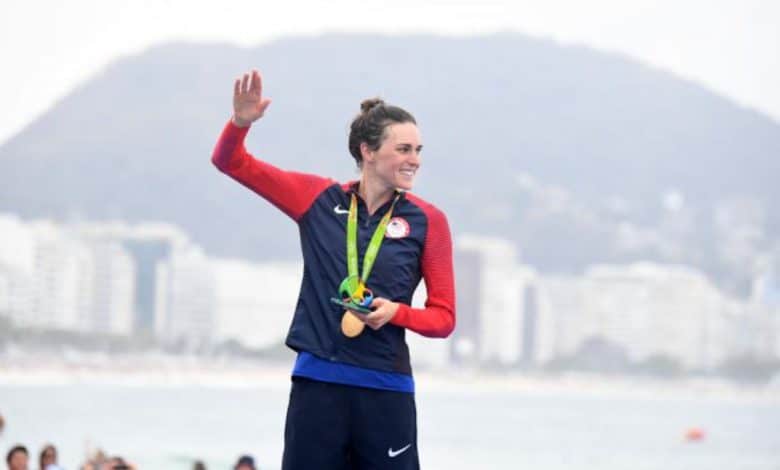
(579,155)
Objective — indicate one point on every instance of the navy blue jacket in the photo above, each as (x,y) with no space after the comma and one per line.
(417,245)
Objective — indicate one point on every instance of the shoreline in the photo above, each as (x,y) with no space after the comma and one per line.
(173,372)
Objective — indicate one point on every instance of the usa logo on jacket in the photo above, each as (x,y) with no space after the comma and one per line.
(398,227)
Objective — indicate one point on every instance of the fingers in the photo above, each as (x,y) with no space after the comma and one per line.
(250,86)
(374,321)
(377,318)
(384,311)
(257,83)
(249,83)
(245,84)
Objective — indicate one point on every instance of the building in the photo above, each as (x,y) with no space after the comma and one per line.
(16,268)
(648,310)
(492,290)
(147,245)
(254,303)
(185,300)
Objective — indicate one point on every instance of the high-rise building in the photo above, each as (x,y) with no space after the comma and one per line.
(61,289)
(113,288)
(146,253)
(655,310)
(492,283)
(185,299)
(147,244)
(765,302)
(529,331)
(560,305)
(254,303)
(135,252)
(465,339)
(16,268)
(648,310)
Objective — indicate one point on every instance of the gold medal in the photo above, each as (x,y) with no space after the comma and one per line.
(351,325)
(353,292)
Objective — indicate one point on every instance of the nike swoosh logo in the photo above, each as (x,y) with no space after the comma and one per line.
(395,453)
(339,210)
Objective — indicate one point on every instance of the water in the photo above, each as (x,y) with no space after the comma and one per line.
(460,427)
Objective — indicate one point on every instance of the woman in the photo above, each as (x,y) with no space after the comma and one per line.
(365,243)
(47,457)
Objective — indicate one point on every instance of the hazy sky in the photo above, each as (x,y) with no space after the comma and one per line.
(48,47)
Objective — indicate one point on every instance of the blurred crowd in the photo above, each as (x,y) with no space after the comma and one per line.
(18,458)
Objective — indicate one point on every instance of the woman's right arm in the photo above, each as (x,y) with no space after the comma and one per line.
(291,192)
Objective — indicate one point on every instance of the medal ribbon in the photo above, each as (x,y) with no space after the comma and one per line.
(373,245)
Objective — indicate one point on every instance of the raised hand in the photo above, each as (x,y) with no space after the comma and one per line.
(248,102)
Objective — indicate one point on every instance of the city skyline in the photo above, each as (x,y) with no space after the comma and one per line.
(510,315)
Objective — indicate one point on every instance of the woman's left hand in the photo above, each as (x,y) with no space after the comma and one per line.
(384,311)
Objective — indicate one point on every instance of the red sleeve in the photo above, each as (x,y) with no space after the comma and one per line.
(437,319)
(291,192)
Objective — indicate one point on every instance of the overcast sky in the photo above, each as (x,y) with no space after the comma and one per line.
(48,47)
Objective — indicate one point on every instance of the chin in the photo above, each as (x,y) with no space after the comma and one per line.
(404,184)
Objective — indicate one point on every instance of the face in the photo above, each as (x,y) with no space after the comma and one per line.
(49,457)
(396,161)
(18,461)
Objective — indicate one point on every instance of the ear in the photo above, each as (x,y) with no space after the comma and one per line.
(366,152)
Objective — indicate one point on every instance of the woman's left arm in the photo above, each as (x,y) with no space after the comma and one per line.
(437,319)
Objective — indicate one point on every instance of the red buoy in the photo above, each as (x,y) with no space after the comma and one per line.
(694,434)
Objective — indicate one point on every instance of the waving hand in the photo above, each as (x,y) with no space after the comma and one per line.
(248,102)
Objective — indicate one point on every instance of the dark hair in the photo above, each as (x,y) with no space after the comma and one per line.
(43,453)
(118,463)
(245,460)
(15,449)
(369,126)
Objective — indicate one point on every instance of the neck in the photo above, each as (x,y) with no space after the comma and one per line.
(374,193)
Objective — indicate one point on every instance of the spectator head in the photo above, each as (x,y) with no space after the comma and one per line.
(116,463)
(199,465)
(245,462)
(17,458)
(48,456)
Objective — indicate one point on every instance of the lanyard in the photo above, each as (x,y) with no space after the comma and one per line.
(373,245)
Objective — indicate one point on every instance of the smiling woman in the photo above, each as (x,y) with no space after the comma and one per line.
(352,401)
(388,138)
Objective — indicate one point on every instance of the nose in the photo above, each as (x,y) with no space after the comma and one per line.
(415,158)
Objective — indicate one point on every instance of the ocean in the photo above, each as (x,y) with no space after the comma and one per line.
(463,424)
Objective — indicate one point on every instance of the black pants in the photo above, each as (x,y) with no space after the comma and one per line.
(342,427)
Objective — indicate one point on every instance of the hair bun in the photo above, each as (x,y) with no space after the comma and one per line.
(370,103)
